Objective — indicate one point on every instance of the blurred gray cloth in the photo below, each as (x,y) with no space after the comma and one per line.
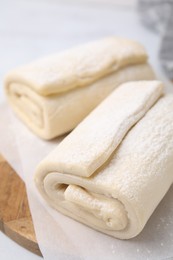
(157,15)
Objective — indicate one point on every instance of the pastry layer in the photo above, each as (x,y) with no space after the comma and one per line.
(130,145)
(78,67)
(57,114)
(54,94)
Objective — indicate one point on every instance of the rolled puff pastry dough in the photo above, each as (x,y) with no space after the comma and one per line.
(54,94)
(112,171)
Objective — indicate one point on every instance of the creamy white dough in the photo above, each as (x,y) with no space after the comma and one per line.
(111,172)
(54,94)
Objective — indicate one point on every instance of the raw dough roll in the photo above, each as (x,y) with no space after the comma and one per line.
(111,172)
(54,94)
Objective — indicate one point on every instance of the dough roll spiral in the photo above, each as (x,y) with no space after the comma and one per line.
(112,171)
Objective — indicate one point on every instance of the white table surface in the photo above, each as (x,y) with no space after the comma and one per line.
(30,29)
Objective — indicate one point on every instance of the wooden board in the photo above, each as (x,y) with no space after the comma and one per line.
(15,217)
